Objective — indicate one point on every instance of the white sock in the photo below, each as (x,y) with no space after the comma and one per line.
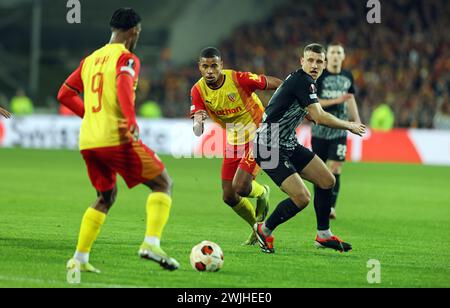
(81,257)
(153,240)
(326,234)
(266,231)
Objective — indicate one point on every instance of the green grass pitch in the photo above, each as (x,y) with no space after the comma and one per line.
(397,214)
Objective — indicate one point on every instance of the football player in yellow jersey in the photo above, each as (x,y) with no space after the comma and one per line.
(109,140)
(229,99)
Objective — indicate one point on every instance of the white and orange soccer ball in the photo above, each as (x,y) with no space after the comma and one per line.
(207,257)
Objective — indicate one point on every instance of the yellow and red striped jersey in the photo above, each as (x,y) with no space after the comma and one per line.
(234,106)
(104,124)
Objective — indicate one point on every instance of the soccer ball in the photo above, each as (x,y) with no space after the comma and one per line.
(207,257)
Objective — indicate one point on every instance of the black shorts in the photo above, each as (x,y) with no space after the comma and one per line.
(281,164)
(334,149)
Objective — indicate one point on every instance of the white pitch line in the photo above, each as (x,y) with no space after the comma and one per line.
(54,282)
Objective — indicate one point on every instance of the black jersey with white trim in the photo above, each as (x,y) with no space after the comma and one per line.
(332,86)
(286,111)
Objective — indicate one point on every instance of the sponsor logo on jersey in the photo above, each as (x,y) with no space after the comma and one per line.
(335,86)
(226,112)
(331,94)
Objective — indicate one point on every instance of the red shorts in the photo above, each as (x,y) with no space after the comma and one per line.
(135,162)
(239,157)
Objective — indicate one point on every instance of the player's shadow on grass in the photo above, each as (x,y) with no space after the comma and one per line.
(335,256)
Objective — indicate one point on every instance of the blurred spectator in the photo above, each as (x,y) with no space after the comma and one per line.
(442,118)
(150,110)
(407,56)
(383,118)
(21,104)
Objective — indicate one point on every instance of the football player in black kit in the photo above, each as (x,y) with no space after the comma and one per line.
(336,95)
(287,163)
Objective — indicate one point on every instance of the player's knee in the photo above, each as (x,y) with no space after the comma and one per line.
(168,185)
(302,199)
(109,198)
(165,185)
(113,196)
(230,199)
(243,189)
(328,182)
(105,201)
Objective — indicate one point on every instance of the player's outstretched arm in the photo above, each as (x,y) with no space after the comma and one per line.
(337,101)
(5,113)
(320,117)
(199,122)
(273,83)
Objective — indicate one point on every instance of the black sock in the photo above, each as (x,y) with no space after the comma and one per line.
(336,190)
(284,211)
(322,205)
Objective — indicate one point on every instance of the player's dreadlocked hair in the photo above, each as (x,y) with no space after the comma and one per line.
(210,52)
(316,48)
(124,19)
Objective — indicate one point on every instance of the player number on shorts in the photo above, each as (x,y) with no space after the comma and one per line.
(342,150)
(97,87)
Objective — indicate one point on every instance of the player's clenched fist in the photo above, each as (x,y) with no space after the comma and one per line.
(5,113)
(199,120)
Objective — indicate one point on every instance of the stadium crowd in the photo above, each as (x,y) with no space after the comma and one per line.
(403,62)
(401,66)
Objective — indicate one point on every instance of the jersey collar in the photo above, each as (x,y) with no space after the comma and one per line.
(223,82)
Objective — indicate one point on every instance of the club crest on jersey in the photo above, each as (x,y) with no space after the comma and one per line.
(232,97)
(313,88)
